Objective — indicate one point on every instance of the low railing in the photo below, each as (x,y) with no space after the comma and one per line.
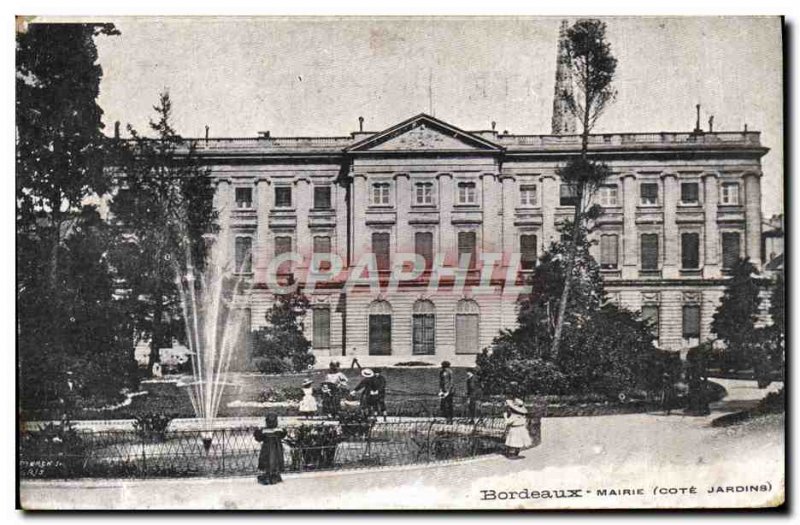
(315,446)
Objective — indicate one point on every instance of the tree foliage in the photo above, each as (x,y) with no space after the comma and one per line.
(281,345)
(734,321)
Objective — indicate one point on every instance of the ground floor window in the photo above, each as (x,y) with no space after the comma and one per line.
(650,316)
(424,328)
(321,317)
(380,328)
(691,321)
(467,327)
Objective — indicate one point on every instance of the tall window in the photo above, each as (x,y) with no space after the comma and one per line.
(467,324)
(650,315)
(527,196)
(731,245)
(423,193)
(322,245)
(321,316)
(691,321)
(467,193)
(283,196)
(568,195)
(609,251)
(466,245)
(283,244)
(690,251)
(423,246)
(244,256)
(380,328)
(380,248)
(649,251)
(648,193)
(527,248)
(322,197)
(607,195)
(690,192)
(380,193)
(424,328)
(729,193)
(244,197)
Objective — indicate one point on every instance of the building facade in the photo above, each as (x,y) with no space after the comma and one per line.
(679,210)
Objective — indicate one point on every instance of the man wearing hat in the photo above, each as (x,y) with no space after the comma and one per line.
(446,391)
(517,436)
(370,392)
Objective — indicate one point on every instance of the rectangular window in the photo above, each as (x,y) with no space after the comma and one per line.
(609,251)
(423,193)
(691,321)
(607,195)
(690,193)
(283,245)
(730,193)
(648,193)
(283,197)
(423,246)
(380,194)
(650,315)
(649,251)
(467,341)
(467,194)
(466,245)
(690,251)
(424,334)
(380,334)
(244,197)
(569,195)
(527,248)
(322,327)
(380,249)
(322,245)
(322,197)
(527,196)
(730,249)
(244,256)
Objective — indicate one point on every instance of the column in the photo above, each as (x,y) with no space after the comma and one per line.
(509,205)
(405,236)
(670,226)
(261,247)
(752,212)
(491,213)
(303,190)
(711,268)
(358,199)
(224,204)
(630,244)
(447,235)
(549,199)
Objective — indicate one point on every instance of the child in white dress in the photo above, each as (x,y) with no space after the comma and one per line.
(308,405)
(517,436)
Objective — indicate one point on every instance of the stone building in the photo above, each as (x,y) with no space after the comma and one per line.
(680,208)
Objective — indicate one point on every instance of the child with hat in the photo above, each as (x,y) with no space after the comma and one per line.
(517,436)
(308,405)
(270,459)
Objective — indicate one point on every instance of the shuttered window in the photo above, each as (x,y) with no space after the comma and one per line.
(423,246)
(283,197)
(466,245)
(650,315)
(322,327)
(648,193)
(690,251)
(322,197)
(467,327)
(609,251)
(380,248)
(690,192)
(649,252)
(730,249)
(380,334)
(283,245)
(691,321)
(527,248)
(244,256)
(424,334)
(322,245)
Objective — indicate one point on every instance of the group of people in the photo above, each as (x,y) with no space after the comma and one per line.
(371,390)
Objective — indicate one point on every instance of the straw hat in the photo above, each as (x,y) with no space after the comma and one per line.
(308,382)
(516,405)
(367,372)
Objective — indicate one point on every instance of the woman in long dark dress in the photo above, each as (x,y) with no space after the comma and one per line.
(270,460)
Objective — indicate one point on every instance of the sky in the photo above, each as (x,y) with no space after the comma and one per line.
(316,76)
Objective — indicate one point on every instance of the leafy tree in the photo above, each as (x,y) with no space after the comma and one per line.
(281,346)
(734,321)
(61,150)
(593,67)
(162,212)
(777,304)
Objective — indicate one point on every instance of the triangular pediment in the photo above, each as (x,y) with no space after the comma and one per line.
(423,133)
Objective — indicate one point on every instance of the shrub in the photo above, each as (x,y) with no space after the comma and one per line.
(272,395)
(313,446)
(413,363)
(282,346)
(55,451)
(508,371)
(355,424)
(152,427)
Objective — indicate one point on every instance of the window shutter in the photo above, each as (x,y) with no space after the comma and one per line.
(690,250)
(690,192)
(380,334)
(609,251)
(466,244)
(424,334)
(322,327)
(650,316)
(243,254)
(650,251)
(423,245)
(467,334)
(527,247)
(283,197)
(322,197)
(691,321)
(730,249)
(380,248)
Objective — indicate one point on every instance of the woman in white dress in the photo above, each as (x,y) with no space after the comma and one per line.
(517,436)
(308,405)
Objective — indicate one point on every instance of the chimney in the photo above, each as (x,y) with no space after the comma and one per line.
(494,125)
(697,128)
(361,124)
(116,130)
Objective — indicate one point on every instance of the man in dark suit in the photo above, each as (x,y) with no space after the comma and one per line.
(474,394)
(446,391)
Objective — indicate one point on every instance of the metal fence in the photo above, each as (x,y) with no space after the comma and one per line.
(234,451)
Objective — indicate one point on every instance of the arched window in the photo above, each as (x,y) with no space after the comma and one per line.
(424,328)
(467,327)
(380,328)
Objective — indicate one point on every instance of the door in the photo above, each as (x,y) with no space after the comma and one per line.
(380,334)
